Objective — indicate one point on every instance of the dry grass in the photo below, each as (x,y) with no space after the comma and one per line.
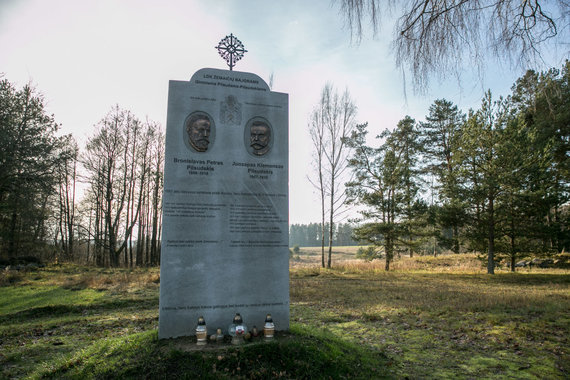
(126,281)
(76,277)
(442,264)
(9,277)
(344,260)
(119,282)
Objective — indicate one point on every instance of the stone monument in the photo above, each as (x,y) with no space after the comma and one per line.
(225,204)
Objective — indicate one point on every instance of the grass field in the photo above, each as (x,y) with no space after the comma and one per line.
(429,318)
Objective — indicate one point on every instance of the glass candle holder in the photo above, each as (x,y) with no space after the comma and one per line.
(269,327)
(219,336)
(237,329)
(201,331)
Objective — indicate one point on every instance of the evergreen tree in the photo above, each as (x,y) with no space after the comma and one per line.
(28,163)
(483,154)
(406,138)
(440,139)
(384,182)
(542,104)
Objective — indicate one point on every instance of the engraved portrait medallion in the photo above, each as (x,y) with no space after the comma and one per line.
(258,136)
(199,131)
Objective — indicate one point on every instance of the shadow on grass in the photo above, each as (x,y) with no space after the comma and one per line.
(70,310)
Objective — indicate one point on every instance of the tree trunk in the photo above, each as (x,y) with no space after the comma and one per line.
(513,255)
(71,214)
(12,243)
(491,237)
(331,225)
(89,234)
(322,229)
(513,245)
(455,238)
(153,244)
(389,253)
(139,250)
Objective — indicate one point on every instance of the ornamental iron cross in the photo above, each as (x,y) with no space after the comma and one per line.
(231,49)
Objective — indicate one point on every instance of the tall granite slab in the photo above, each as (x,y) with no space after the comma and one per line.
(225,204)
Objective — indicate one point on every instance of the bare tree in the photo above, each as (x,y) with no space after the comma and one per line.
(67,180)
(435,36)
(157,173)
(111,159)
(123,165)
(150,172)
(331,123)
(317,132)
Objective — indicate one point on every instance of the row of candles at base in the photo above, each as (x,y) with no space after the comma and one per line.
(237,330)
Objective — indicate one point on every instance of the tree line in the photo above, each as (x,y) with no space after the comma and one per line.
(309,235)
(494,179)
(118,219)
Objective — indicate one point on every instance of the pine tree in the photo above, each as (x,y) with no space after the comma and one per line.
(28,163)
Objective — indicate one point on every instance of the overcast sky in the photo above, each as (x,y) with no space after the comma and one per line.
(86,56)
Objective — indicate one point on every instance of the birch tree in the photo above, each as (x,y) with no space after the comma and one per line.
(331,124)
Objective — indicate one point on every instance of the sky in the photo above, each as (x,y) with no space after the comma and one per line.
(87,56)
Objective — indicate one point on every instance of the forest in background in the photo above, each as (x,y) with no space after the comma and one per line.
(309,235)
(491,180)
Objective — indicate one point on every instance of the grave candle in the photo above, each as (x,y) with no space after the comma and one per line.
(201,331)
(237,329)
(269,327)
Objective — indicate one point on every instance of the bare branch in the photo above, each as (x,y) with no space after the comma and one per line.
(435,37)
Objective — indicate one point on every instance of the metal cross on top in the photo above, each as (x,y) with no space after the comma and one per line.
(231,49)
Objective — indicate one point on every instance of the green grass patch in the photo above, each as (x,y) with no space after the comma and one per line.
(38,300)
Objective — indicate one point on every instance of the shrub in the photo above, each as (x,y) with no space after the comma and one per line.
(368,253)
